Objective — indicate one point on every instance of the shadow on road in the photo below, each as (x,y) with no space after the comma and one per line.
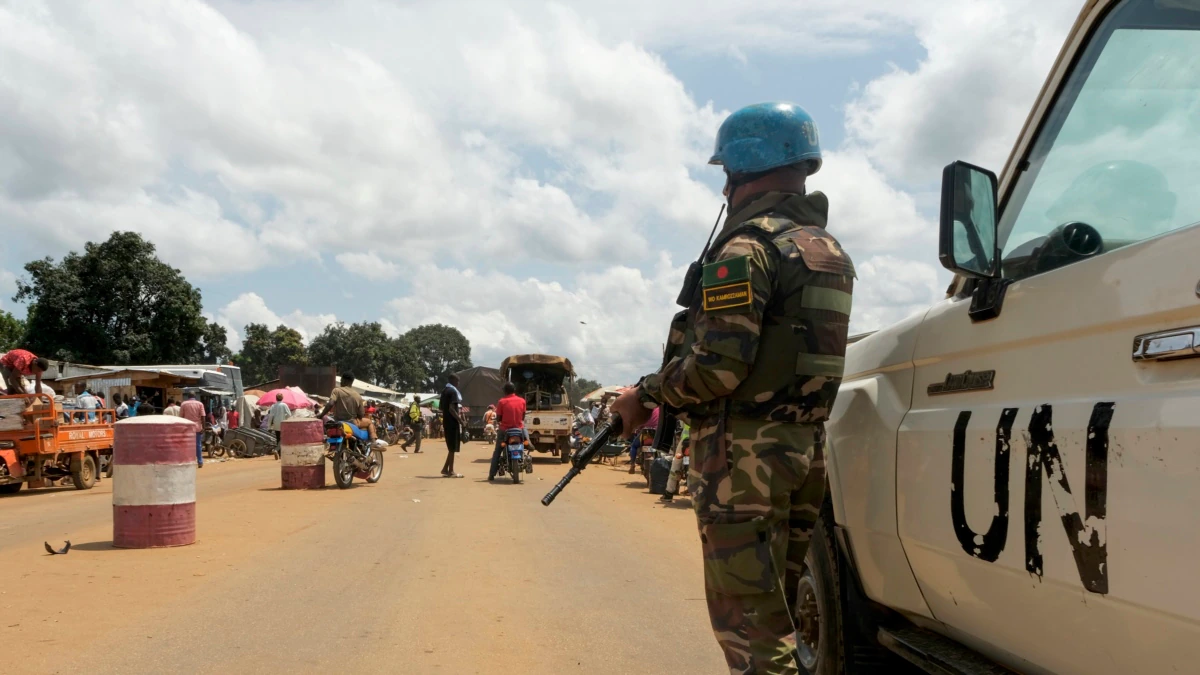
(94,546)
(33,492)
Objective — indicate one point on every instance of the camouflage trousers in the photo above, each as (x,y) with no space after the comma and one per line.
(757,488)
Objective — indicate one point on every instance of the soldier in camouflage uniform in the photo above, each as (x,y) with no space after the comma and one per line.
(753,365)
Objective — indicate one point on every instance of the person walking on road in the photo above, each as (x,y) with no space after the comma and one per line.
(416,422)
(511,412)
(755,364)
(275,417)
(172,408)
(452,423)
(20,363)
(193,411)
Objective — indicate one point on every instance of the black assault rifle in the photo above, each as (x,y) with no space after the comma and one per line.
(584,457)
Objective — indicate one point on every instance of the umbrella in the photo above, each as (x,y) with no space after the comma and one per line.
(290,397)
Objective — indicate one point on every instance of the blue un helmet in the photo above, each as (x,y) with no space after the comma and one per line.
(767,136)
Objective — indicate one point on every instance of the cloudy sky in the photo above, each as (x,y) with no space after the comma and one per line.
(511,168)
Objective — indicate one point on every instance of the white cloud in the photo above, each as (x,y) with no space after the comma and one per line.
(237,136)
(250,308)
(8,287)
(611,324)
(891,288)
(969,96)
(238,127)
(369,265)
(866,214)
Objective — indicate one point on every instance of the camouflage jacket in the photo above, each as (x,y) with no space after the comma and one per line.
(765,335)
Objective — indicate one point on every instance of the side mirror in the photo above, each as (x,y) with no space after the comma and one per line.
(967,240)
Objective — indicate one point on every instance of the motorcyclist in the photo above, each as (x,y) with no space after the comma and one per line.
(348,406)
(511,411)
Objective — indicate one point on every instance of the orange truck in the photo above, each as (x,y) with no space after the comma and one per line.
(41,442)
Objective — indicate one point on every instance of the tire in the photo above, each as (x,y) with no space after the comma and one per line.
(107,463)
(10,489)
(237,448)
(376,466)
(84,475)
(515,468)
(217,449)
(818,617)
(343,472)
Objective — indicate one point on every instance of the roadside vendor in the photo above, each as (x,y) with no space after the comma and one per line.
(21,363)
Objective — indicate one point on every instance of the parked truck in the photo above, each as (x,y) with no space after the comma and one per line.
(1013,472)
(542,379)
(41,442)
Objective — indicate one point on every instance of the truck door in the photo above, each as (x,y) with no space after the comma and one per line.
(1048,474)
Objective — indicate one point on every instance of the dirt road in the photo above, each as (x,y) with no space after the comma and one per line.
(416,574)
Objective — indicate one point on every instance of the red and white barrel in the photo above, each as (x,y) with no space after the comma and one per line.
(302,454)
(154,482)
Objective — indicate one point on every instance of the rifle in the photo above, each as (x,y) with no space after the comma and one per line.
(584,457)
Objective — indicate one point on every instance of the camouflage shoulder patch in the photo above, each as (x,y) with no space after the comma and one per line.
(821,251)
(728,271)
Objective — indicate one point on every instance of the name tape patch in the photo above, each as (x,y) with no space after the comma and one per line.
(728,296)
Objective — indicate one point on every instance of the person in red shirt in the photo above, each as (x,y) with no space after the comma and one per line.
(18,363)
(511,413)
(233,418)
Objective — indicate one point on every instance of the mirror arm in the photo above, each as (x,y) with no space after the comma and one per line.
(987,298)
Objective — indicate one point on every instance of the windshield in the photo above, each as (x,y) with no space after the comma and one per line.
(543,386)
(1119,149)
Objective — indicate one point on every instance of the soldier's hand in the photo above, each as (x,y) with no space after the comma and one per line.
(633,413)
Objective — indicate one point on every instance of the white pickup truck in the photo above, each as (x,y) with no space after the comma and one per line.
(1014,473)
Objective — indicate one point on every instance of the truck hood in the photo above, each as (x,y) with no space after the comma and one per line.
(885,349)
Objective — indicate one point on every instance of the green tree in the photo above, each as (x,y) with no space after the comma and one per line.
(213,347)
(366,351)
(362,349)
(581,387)
(264,350)
(440,350)
(12,331)
(406,370)
(117,303)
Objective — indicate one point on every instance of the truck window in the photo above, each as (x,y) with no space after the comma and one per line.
(1116,160)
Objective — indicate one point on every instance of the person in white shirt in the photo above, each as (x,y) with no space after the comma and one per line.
(172,408)
(88,402)
(275,417)
(122,409)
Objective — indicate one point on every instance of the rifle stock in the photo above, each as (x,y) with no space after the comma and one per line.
(584,457)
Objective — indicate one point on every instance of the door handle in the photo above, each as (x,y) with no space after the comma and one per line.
(1179,343)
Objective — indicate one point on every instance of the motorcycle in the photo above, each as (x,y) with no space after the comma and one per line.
(350,450)
(388,432)
(489,433)
(212,442)
(514,458)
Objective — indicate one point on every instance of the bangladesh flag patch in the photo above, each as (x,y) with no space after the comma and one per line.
(727,271)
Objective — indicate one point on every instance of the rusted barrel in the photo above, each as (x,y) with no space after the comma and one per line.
(154,482)
(302,454)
